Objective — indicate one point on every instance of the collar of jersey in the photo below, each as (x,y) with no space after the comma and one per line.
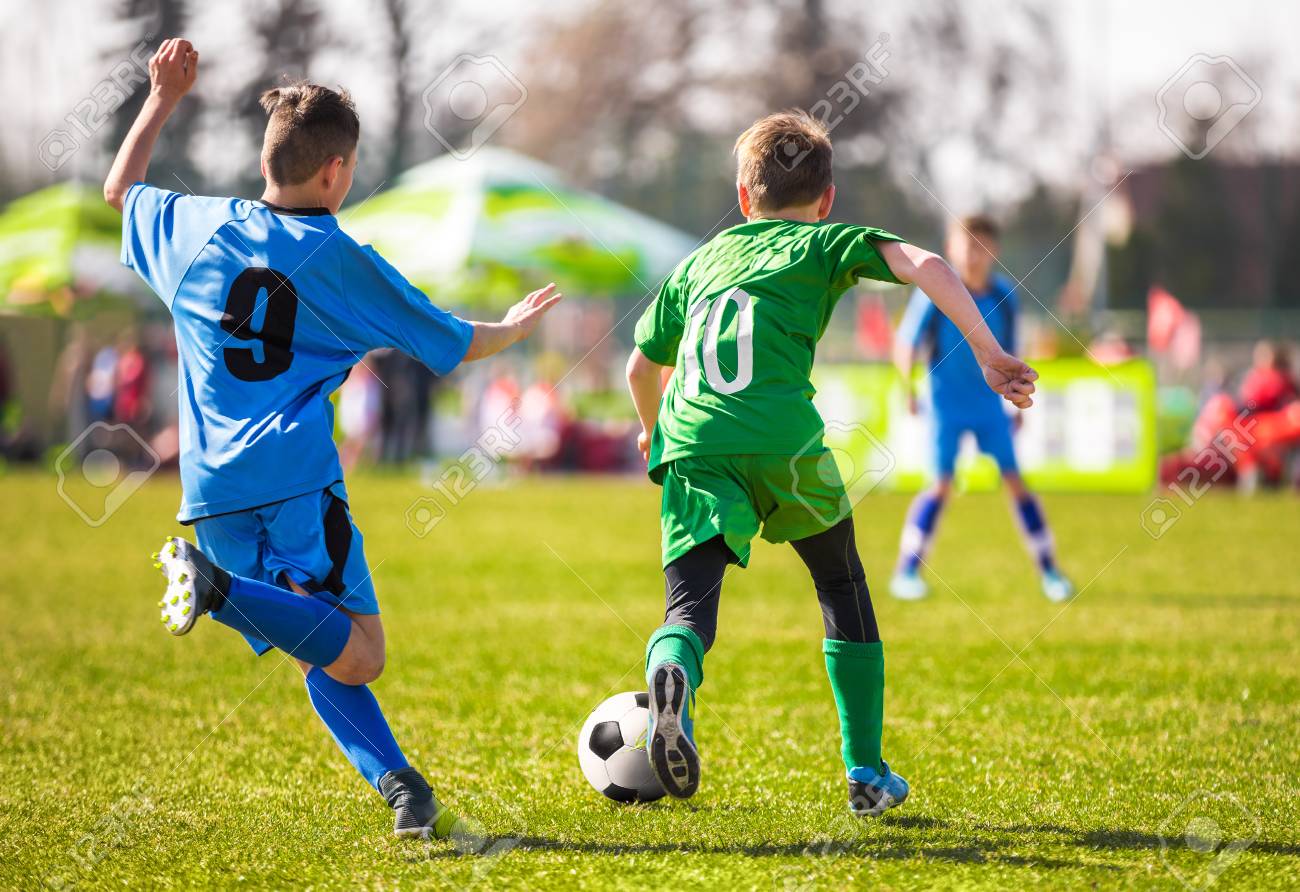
(295,212)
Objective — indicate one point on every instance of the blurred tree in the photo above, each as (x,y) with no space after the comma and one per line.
(1286,266)
(638,103)
(1194,252)
(1032,247)
(399,49)
(986,92)
(1131,269)
(286,36)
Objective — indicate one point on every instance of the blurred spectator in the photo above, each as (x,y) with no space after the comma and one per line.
(10,411)
(1110,348)
(131,384)
(160,346)
(360,408)
(68,397)
(544,419)
(101,385)
(406,395)
(1269,385)
(500,399)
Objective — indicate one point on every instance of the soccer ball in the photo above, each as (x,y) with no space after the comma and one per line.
(611,749)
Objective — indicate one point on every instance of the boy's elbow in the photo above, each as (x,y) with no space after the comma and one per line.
(641,368)
(635,364)
(115,195)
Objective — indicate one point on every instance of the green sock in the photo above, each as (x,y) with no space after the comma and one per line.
(680,645)
(857,673)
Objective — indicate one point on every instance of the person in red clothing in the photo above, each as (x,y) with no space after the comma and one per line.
(1269,385)
(131,383)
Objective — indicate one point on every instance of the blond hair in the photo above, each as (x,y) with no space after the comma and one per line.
(784,160)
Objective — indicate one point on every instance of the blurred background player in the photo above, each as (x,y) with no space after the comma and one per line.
(736,442)
(960,404)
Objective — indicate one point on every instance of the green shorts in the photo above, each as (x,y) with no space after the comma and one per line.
(786,497)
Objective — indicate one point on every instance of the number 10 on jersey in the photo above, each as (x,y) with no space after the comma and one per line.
(704,328)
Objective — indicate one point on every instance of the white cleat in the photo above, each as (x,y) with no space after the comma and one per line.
(1056,587)
(908,587)
(191,582)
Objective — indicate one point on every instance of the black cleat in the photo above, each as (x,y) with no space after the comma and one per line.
(671,743)
(419,813)
(195,585)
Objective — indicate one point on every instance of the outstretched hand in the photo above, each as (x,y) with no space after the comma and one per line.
(525,315)
(1010,378)
(173,68)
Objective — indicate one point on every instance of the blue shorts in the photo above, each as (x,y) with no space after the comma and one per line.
(309,539)
(992,434)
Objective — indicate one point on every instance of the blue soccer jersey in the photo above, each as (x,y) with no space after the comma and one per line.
(957,388)
(272,308)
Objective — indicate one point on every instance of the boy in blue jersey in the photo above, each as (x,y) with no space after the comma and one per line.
(273,304)
(960,404)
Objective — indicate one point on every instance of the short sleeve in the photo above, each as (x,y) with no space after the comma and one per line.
(852,253)
(659,330)
(163,231)
(918,321)
(400,315)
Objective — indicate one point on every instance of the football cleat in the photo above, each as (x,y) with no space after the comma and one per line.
(671,732)
(872,793)
(194,584)
(908,586)
(1056,587)
(419,813)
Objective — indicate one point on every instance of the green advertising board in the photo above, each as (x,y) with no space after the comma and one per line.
(1092,429)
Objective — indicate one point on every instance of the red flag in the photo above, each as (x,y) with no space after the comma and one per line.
(1172,329)
(1164,315)
(875,338)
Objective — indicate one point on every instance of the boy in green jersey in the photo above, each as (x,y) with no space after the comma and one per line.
(735,440)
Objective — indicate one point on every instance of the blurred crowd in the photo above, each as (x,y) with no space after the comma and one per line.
(1248,436)
(117,391)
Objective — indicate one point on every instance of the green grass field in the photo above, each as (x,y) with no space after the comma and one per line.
(1145,735)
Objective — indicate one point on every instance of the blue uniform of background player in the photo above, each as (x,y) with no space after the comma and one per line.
(273,304)
(961,405)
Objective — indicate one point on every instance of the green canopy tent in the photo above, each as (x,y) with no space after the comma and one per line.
(59,255)
(478,231)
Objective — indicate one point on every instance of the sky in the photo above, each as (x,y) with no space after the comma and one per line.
(1118,54)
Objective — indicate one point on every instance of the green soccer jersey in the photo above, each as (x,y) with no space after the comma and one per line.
(740,319)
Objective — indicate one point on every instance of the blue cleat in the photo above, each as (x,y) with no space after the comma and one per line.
(671,734)
(1056,587)
(872,793)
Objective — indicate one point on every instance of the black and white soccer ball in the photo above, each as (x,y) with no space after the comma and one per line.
(611,749)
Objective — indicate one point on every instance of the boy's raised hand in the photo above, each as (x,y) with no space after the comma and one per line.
(173,68)
(1010,377)
(171,74)
(525,315)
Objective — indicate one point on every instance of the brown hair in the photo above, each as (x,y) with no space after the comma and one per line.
(784,160)
(308,124)
(980,225)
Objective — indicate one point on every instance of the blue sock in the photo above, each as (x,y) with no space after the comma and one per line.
(1038,539)
(357,724)
(304,627)
(918,530)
